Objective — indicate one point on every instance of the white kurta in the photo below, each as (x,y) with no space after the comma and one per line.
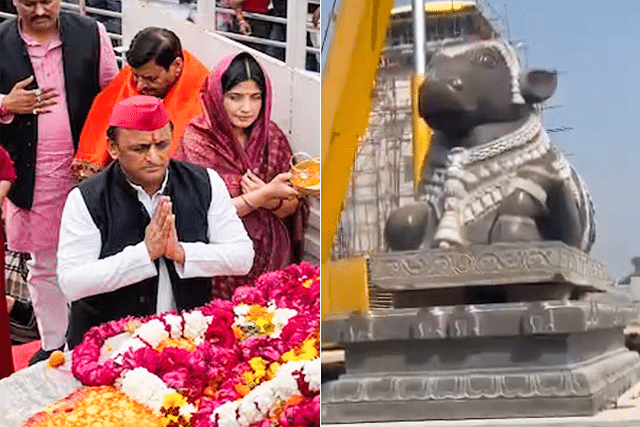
(81,273)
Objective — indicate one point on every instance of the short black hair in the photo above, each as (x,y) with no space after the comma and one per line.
(242,68)
(112,133)
(154,44)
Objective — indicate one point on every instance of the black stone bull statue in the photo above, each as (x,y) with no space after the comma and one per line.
(493,175)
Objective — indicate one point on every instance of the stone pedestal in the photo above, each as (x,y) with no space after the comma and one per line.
(501,359)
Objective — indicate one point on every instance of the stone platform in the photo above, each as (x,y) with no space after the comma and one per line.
(625,412)
(415,359)
(492,361)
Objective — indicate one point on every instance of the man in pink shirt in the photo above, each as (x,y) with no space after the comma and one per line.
(52,65)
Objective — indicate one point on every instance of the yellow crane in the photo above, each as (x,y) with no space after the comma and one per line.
(347,85)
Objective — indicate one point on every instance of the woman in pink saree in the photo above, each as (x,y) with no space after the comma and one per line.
(235,136)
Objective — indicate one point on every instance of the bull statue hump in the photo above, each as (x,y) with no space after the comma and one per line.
(493,175)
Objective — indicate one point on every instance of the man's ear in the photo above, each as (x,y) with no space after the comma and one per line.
(179,66)
(112,147)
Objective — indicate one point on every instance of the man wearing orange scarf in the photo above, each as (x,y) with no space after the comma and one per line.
(157,67)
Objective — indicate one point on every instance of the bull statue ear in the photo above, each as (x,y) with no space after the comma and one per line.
(538,85)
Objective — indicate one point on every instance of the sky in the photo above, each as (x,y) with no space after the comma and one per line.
(596,48)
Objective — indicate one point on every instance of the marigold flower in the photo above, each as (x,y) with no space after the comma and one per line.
(56,359)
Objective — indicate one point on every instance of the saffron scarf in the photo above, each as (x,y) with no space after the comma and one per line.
(209,141)
(182,102)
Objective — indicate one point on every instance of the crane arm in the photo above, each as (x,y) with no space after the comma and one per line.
(347,85)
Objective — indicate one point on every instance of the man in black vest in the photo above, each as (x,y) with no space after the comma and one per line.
(147,234)
(52,65)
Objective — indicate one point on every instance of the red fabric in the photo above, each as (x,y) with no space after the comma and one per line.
(209,141)
(6,357)
(22,353)
(258,6)
(140,113)
(7,172)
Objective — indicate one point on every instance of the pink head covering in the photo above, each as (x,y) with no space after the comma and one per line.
(209,140)
(139,113)
(215,124)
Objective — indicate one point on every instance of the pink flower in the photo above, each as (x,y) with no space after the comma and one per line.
(307,413)
(262,346)
(220,334)
(218,307)
(263,423)
(145,357)
(213,373)
(95,374)
(248,295)
(176,378)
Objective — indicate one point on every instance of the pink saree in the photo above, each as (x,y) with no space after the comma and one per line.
(208,141)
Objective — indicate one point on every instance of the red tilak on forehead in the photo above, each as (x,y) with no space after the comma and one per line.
(140,113)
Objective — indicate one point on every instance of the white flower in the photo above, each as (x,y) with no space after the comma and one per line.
(175,322)
(152,332)
(281,318)
(145,388)
(196,324)
(241,310)
(187,410)
(284,384)
(226,414)
(248,413)
(117,345)
(312,373)
(263,397)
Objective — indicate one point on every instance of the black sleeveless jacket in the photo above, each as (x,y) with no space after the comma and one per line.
(122,219)
(81,60)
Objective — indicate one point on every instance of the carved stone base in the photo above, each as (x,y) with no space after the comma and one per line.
(532,359)
(479,273)
(576,389)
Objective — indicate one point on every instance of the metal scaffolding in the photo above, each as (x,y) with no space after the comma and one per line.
(381,178)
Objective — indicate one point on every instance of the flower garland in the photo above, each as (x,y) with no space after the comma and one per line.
(252,361)
(263,402)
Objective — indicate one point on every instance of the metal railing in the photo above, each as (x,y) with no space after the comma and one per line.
(298,24)
(297,27)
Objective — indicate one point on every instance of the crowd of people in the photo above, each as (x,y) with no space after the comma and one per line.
(153,188)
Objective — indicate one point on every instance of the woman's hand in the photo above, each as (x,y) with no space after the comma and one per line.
(277,196)
(251,182)
(280,188)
